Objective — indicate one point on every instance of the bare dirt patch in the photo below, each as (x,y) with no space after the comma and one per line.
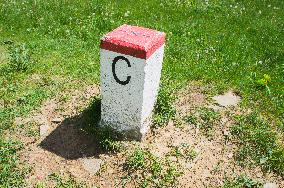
(63,143)
(189,98)
(66,149)
(227,99)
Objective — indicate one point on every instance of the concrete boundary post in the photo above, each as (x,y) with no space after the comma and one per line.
(131,61)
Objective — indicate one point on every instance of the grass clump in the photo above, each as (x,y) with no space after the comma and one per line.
(169,178)
(137,160)
(242,181)
(258,142)
(184,151)
(11,174)
(19,58)
(190,119)
(61,182)
(107,137)
(150,171)
(207,120)
(164,109)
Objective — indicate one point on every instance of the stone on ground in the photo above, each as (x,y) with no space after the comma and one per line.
(56,120)
(92,165)
(43,129)
(270,185)
(227,99)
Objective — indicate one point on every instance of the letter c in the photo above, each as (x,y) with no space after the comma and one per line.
(113,70)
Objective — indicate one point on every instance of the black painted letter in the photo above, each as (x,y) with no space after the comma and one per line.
(113,70)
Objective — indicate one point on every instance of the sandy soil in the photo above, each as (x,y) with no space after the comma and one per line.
(62,147)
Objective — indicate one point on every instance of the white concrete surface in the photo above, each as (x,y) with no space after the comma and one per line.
(127,107)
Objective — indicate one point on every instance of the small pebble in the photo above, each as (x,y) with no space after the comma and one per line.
(92,165)
(56,120)
(226,133)
(230,155)
(227,99)
(172,158)
(270,185)
(43,129)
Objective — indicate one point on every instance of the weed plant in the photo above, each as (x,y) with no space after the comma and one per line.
(242,181)
(151,171)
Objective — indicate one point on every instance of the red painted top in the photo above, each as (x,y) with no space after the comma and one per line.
(132,40)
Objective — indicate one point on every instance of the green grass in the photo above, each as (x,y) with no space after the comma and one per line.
(12,174)
(190,119)
(61,182)
(164,110)
(137,160)
(205,119)
(208,119)
(148,170)
(242,181)
(19,58)
(258,143)
(226,44)
(231,43)
(107,138)
(184,151)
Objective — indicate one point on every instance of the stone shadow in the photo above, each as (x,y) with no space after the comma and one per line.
(77,137)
